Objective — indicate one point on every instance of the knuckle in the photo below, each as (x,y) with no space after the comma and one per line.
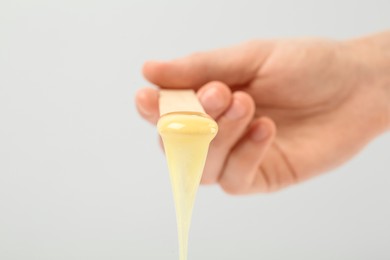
(196,55)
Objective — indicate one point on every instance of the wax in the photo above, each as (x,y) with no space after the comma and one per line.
(186,137)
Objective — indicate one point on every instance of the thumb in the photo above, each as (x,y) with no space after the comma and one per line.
(235,66)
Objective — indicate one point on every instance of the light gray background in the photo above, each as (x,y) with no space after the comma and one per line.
(82,176)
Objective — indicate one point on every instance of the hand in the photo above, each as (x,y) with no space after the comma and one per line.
(287,110)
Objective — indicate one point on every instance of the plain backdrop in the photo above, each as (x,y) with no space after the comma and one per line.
(82,176)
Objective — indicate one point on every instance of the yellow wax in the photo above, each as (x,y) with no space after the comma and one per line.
(186,137)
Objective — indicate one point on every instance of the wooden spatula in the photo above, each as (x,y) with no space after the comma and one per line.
(179,101)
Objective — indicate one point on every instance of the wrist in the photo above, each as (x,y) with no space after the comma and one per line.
(372,53)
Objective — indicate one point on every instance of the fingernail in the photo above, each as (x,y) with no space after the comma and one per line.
(144,111)
(210,100)
(236,111)
(259,133)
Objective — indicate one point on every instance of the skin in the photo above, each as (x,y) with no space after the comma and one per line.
(287,110)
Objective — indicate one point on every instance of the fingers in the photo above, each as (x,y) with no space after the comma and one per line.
(234,66)
(236,153)
(146,101)
(243,163)
(232,125)
(214,96)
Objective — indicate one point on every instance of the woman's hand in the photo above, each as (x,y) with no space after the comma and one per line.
(287,110)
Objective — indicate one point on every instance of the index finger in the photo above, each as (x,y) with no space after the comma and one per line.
(233,66)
